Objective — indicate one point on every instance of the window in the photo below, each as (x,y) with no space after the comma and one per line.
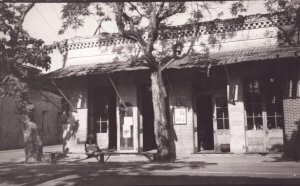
(274,106)
(101,126)
(222,113)
(261,96)
(102,123)
(253,105)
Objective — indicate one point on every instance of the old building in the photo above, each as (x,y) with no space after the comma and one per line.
(47,115)
(238,93)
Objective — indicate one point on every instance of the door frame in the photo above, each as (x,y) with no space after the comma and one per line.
(93,120)
(206,93)
(215,125)
(142,99)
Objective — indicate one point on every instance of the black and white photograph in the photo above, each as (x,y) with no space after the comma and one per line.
(99,92)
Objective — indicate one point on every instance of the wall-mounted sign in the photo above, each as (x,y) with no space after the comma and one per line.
(126,131)
(179,115)
(128,121)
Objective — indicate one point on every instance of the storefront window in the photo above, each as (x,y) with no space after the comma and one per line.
(265,94)
(274,104)
(253,105)
(222,113)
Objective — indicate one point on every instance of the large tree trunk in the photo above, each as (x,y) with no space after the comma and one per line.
(32,142)
(162,127)
(33,146)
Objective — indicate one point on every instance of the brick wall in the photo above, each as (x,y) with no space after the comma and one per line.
(291,109)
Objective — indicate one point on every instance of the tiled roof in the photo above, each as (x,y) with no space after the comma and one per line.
(237,56)
(191,61)
(92,69)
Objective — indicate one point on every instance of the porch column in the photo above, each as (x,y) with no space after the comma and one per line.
(181,112)
(75,128)
(236,112)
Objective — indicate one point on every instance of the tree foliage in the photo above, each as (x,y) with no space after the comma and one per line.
(18,50)
(287,9)
(20,55)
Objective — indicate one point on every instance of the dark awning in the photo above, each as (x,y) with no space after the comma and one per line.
(191,61)
(237,56)
(93,69)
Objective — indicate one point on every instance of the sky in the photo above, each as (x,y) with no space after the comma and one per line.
(43,22)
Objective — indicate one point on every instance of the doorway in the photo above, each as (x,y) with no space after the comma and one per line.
(205,123)
(147,112)
(102,114)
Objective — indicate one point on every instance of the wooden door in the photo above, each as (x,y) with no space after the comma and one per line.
(255,129)
(147,119)
(205,122)
(126,127)
(274,115)
(221,121)
(102,125)
(102,116)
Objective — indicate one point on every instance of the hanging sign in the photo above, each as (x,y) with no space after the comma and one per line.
(126,131)
(128,121)
(179,115)
(232,93)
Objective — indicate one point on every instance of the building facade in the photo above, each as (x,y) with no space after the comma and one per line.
(236,93)
(47,115)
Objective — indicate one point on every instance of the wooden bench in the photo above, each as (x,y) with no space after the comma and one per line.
(55,156)
(151,156)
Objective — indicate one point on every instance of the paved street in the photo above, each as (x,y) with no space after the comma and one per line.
(136,170)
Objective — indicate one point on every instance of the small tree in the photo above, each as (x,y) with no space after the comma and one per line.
(143,22)
(19,51)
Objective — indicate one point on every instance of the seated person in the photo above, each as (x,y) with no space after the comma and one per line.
(91,146)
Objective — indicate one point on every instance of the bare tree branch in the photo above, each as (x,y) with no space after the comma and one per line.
(160,10)
(100,24)
(131,33)
(175,58)
(121,17)
(134,7)
(205,5)
(169,13)
(153,27)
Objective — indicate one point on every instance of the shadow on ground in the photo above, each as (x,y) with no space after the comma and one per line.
(118,173)
(281,158)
